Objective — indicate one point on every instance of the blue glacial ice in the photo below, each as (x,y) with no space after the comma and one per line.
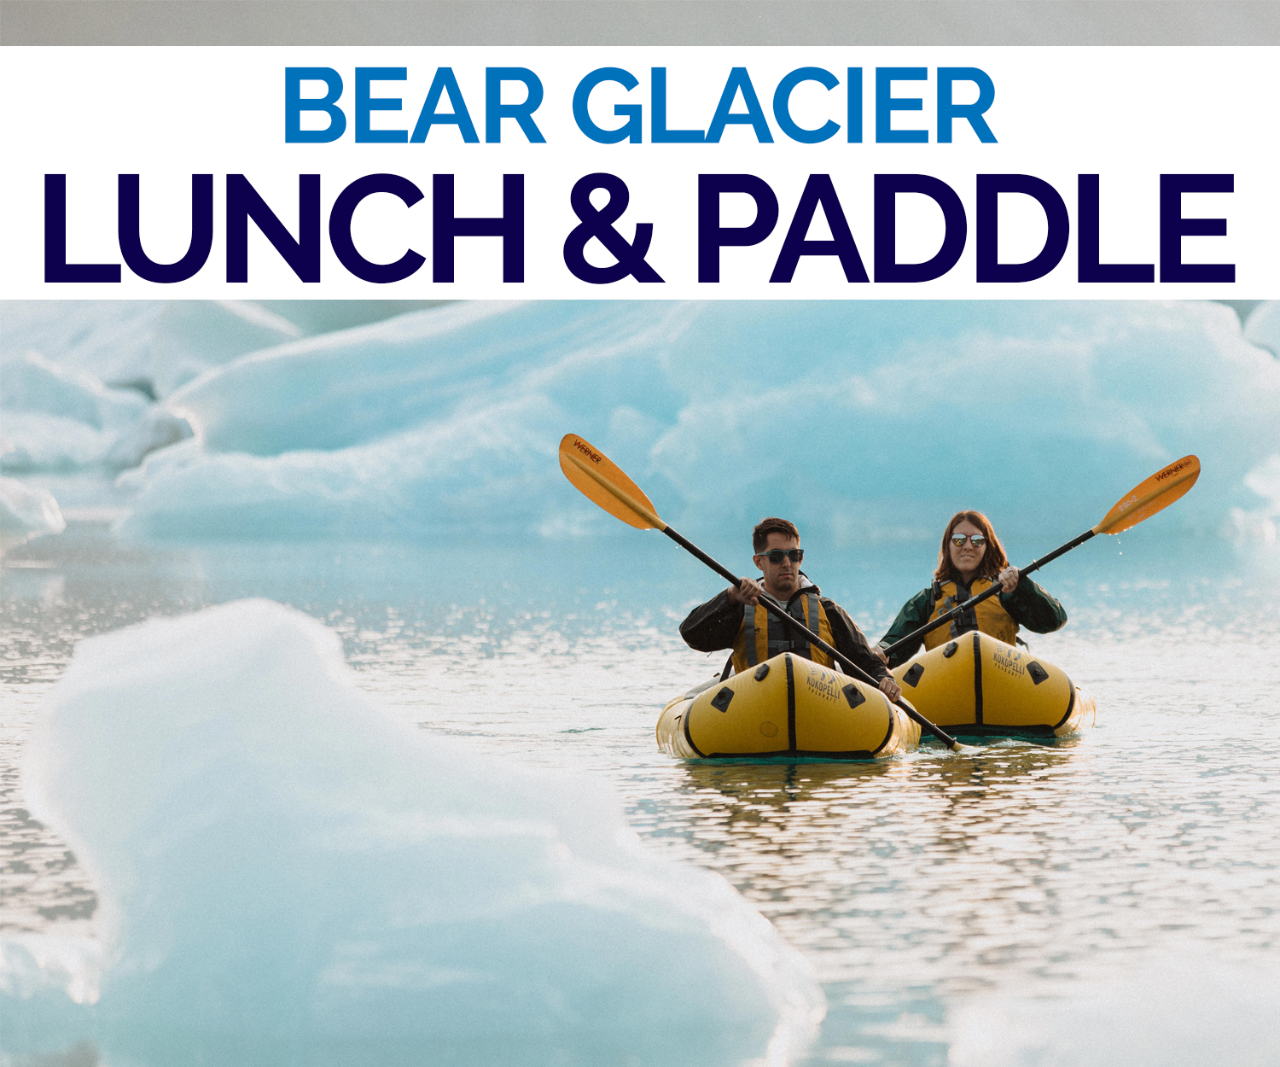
(159,345)
(154,344)
(78,378)
(290,876)
(860,420)
(56,417)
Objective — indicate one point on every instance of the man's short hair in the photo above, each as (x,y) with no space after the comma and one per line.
(760,535)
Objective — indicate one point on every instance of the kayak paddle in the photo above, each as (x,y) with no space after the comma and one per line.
(1141,502)
(604,483)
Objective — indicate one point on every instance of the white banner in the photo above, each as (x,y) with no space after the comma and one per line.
(654,172)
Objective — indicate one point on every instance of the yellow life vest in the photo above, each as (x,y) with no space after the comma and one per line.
(761,636)
(992,618)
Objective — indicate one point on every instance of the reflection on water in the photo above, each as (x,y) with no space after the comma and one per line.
(914,885)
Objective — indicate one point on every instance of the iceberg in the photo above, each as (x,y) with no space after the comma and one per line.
(859,420)
(289,875)
(26,512)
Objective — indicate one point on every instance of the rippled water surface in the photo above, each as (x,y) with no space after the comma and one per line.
(920,888)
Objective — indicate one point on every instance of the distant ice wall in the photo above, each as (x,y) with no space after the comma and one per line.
(289,876)
(859,420)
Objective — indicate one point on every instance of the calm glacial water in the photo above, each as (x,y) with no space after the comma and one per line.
(918,888)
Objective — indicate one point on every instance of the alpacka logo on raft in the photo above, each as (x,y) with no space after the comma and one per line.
(594,456)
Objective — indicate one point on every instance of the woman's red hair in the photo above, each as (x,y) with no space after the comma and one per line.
(993,562)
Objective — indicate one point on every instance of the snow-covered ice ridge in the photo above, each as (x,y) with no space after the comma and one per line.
(858,420)
(288,875)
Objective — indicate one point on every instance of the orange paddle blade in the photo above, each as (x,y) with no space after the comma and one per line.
(1155,494)
(602,482)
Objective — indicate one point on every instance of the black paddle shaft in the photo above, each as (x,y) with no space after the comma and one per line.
(995,588)
(774,608)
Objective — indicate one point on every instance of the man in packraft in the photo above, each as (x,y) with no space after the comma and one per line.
(736,619)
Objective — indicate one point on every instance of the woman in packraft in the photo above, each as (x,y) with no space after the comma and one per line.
(971,560)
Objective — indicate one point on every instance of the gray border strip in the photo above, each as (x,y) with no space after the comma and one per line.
(639,22)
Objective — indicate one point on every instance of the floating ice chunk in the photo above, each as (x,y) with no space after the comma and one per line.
(26,512)
(289,876)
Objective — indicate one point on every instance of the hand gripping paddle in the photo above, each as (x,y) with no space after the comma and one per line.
(1141,502)
(604,483)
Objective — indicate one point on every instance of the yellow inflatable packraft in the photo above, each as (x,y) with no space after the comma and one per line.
(787,706)
(976,684)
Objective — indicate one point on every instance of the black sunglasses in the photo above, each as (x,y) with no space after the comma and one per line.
(977,540)
(777,555)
